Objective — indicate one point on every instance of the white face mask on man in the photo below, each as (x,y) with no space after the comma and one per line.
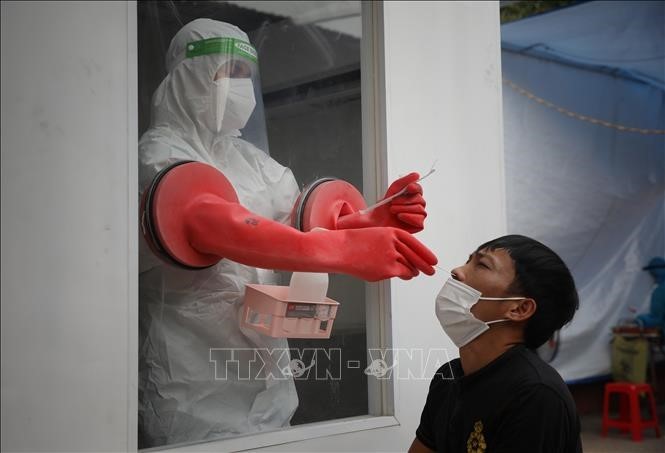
(453,309)
(233,102)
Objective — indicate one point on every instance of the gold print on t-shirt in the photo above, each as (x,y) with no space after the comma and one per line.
(476,442)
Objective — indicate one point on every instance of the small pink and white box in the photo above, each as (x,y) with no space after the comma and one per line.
(268,310)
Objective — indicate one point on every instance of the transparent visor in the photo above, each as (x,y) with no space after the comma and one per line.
(236,96)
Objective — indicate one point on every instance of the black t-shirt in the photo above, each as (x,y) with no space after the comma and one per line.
(517,403)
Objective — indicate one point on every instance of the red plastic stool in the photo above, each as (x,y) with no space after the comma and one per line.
(629,409)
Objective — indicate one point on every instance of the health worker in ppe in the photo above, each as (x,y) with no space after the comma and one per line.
(208,109)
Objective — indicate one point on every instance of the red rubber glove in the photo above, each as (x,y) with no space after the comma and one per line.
(406,212)
(226,229)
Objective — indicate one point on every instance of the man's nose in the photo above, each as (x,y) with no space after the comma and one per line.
(458,273)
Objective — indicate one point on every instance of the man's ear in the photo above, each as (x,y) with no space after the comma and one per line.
(522,310)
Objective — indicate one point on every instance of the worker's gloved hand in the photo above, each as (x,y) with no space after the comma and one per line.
(225,229)
(406,211)
(377,253)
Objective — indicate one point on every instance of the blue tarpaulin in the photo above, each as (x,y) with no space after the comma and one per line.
(584,122)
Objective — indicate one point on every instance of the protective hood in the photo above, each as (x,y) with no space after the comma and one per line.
(213,88)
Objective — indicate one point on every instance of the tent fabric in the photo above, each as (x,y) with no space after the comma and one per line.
(592,192)
(625,37)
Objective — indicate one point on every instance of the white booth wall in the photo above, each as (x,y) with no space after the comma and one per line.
(69,211)
(69,229)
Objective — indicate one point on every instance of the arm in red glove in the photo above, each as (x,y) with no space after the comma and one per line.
(406,212)
(226,229)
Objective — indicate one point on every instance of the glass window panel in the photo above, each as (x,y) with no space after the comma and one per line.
(309,68)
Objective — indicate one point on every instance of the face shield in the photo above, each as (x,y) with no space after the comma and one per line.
(235,99)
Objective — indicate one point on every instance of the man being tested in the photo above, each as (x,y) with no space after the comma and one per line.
(512,294)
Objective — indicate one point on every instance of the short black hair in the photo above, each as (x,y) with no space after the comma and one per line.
(543,276)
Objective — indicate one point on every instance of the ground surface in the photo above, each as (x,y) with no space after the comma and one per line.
(617,442)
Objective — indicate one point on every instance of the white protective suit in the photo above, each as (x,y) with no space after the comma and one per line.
(186,313)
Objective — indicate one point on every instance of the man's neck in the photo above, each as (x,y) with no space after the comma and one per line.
(487,347)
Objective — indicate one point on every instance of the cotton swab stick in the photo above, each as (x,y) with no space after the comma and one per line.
(398,194)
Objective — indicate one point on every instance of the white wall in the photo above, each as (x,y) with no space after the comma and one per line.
(69,206)
(68,235)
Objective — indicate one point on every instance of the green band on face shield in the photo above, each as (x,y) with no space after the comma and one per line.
(230,46)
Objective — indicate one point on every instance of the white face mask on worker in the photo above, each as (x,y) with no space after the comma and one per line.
(233,102)
(453,309)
